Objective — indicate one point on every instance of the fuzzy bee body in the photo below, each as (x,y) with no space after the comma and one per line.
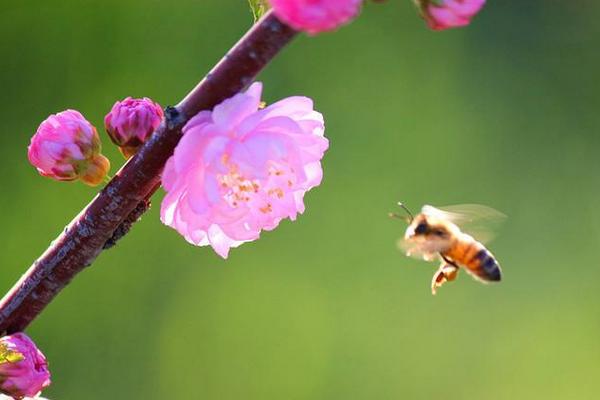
(433,234)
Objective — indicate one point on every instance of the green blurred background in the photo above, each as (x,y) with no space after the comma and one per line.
(504,113)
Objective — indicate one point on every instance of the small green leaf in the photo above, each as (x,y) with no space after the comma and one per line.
(258,8)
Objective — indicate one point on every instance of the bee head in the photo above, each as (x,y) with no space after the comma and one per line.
(425,228)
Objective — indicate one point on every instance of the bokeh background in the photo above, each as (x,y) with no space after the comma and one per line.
(504,113)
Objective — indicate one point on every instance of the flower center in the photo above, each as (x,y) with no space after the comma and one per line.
(256,194)
(239,189)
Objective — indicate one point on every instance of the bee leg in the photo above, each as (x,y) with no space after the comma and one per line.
(446,273)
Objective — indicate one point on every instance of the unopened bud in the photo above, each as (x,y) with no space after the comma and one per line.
(445,14)
(315,16)
(23,368)
(66,147)
(131,122)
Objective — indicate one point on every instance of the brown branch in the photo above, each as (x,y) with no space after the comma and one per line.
(122,201)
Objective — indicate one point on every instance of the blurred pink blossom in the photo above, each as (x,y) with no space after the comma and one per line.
(444,14)
(240,169)
(66,147)
(131,122)
(314,16)
(23,368)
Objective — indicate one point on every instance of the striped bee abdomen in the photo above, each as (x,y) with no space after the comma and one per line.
(485,266)
(477,260)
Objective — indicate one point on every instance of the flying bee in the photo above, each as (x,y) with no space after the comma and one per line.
(435,234)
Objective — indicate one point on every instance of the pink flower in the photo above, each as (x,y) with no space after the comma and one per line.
(314,16)
(66,147)
(23,368)
(131,122)
(240,169)
(444,14)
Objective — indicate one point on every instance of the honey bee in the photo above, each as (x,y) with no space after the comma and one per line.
(434,234)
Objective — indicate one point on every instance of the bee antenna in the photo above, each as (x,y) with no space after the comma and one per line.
(410,215)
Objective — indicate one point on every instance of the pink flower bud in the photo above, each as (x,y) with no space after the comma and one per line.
(131,122)
(242,168)
(444,14)
(66,147)
(314,16)
(23,368)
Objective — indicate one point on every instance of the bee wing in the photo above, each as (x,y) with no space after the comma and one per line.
(479,221)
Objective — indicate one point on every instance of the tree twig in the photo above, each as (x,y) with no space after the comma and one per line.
(86,236)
